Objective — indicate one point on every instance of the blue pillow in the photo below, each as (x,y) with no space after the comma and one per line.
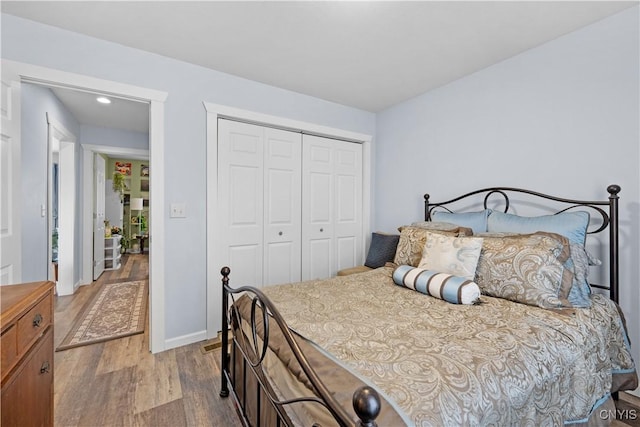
(578,264)
(477,221)
(572,225)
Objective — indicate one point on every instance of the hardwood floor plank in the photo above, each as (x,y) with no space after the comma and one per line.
(200,379)
(122,353)
(158,381)
(110,399)
(168,415)
(73,374)
(125,271)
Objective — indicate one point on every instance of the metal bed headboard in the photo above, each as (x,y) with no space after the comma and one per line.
(609,219)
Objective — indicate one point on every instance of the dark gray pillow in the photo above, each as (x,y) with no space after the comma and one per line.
(382,249)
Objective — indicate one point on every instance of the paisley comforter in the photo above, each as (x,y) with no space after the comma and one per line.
(496,363)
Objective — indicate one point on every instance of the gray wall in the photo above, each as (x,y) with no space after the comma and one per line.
(185,136)
(96,135)
(562,118)
(36,101)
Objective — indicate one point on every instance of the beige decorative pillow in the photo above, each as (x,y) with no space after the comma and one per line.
(413,239)
(452,255)
(526,268)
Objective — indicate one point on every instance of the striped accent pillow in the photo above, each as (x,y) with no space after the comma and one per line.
(453,289)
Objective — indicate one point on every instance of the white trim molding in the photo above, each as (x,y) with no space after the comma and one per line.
(216,111)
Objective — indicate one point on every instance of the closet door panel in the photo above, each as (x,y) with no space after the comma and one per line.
(321,259)
(317,208)
(347,252)
(348,204)
(240,188)
(246,264)
(283,198)
(332,206)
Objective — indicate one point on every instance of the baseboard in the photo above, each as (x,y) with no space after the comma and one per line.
(185,340)
(635,392)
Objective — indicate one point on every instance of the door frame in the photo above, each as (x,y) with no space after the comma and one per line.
(216,111)
(56,130)
(88,151)
(67,204)
(156,99)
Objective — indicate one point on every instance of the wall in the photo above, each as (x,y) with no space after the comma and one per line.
(37,101)
(185,136)
(562,118)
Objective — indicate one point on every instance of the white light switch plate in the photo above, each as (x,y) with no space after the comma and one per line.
(178,210)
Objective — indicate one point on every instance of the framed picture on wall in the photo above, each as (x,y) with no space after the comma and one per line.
(123,167)
(144,170)
(144,185)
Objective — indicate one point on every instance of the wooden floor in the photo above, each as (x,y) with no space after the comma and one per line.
(120,383)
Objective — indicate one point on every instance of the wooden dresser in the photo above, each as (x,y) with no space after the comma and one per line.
(27,354)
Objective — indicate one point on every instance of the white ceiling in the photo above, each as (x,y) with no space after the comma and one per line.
(365,54)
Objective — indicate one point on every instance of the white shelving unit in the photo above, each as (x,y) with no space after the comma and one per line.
(112,252)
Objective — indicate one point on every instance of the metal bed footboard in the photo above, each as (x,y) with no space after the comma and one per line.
(243,365)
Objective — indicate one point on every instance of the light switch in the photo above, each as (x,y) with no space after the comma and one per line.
(178,210)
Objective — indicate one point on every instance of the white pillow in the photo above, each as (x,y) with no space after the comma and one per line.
(453,255)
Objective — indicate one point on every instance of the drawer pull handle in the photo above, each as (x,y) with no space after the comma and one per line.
(44,369)
(37,320)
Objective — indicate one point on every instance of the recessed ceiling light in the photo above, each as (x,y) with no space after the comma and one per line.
(103,100)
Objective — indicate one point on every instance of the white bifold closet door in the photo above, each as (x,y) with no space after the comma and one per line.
(259,190)
(331,206)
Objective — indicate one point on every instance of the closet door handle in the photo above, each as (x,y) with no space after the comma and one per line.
(321,230)
(280,233)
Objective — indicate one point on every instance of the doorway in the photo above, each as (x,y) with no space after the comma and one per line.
(16,73)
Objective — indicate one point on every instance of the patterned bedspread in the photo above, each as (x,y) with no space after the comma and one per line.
(497,363)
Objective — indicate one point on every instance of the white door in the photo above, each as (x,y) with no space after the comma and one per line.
(317,208)
(240,192)
(67,219)
(282,206)
(98,215)
(10,236)
(331,206)
(347,208)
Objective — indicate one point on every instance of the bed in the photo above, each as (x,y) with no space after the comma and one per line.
(483,317)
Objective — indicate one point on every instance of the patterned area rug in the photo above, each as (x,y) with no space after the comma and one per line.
(117,310)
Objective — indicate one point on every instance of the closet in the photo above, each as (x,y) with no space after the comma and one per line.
(289,204)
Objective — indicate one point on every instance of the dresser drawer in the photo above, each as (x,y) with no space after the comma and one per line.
(33,323)
(8,347)
(27,397)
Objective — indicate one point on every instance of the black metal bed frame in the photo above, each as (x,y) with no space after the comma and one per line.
(609,219)
(366,401)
